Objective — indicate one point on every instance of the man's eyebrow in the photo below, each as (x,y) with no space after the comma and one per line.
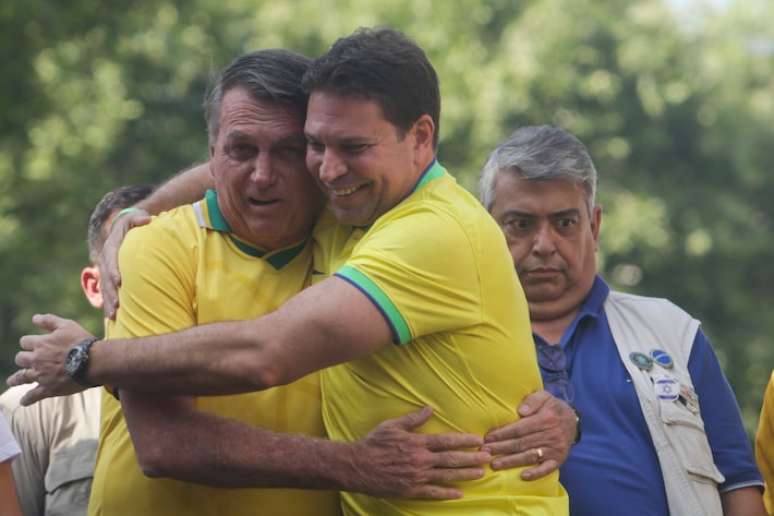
(236,134)
(572,212)
(517,213)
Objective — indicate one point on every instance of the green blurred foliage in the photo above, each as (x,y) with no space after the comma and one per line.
(675,100)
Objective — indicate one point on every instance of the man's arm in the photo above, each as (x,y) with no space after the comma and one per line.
(172,439)
(184,188)
(326,324)
(746,501)
(731,451)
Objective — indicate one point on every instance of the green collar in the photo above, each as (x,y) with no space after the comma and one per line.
(434,171)
(209,216)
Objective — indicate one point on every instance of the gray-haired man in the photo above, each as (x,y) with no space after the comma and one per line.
(662,432)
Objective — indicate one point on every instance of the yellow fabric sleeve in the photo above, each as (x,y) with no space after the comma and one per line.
(419,270)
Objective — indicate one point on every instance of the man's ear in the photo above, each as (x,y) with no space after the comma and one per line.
(596,224)
(90,286)
(424,131)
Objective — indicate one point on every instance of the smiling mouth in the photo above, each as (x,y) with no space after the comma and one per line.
(343,192)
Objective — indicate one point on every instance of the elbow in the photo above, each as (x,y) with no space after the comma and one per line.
(155,462)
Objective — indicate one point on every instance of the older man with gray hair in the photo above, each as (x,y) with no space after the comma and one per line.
(662,433)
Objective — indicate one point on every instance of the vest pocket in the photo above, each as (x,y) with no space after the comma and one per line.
(685,431)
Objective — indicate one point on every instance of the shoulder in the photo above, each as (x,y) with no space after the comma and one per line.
(176,225)
(653,306)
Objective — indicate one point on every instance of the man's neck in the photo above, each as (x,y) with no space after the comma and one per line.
(551,328)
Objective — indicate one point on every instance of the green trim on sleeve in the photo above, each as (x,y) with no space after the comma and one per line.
(385,305)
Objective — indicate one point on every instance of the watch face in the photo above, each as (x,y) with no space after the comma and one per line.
(73,361)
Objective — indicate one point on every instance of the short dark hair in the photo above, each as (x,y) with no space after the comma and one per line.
(385,66)
(110,203)
(273,74)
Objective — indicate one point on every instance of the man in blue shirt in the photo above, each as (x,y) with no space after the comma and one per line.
(539,185)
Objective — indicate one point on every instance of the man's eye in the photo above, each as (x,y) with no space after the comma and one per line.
(518,225)
(566,223)
(241,151)
(355,148)
(315,146)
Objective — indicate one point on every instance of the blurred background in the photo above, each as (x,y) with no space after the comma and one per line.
(674,98)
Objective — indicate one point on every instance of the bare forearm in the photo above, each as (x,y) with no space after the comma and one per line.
(184,188)
(746,501)
(204,360)
(216,451)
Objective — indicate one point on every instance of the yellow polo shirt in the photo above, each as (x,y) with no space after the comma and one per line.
(186,269)
(438,269)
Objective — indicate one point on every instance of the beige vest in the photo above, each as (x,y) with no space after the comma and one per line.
(641,324)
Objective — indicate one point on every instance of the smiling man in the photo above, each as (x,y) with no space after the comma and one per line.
(662,433)
(416,304)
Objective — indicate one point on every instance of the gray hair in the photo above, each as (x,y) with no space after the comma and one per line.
(274,75)
(540,153)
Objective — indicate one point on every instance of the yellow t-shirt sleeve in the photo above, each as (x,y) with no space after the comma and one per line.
(157,282)
(420,272)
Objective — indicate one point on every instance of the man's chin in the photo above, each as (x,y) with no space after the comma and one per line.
(351,216)
(542,292)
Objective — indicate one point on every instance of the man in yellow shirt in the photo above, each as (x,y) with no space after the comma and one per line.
(764,445)
(413,260)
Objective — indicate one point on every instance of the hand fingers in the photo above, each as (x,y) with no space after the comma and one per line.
(509,431)
(33,396)
(541,470)
(459,459)
(412,419)
(29,342)
(48,322)
(446,476)
(518,460)
(544,440)
(532,402)
(24,359)
(505,447)
(430,492)
(21,377)
(452,441)
(136,219)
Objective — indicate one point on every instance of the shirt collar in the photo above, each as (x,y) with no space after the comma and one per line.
(433,171)
(592,307)
(209,216)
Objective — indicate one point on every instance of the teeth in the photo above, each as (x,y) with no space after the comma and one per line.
(345,191)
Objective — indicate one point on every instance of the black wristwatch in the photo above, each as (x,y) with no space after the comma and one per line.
(577,425)
(77,362)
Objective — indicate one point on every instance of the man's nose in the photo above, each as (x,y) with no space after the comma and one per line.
(263,171)
(543,243)
(332,166)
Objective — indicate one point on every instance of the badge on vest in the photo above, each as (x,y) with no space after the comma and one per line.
(662,358)
(641,360)
(667,388)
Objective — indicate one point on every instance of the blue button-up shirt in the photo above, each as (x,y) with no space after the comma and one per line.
(615,469)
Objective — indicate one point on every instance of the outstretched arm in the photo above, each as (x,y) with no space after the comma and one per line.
(329,323)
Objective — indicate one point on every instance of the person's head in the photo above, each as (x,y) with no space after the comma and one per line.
(540,186)
(255,117)
(99,226)
(372,122)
